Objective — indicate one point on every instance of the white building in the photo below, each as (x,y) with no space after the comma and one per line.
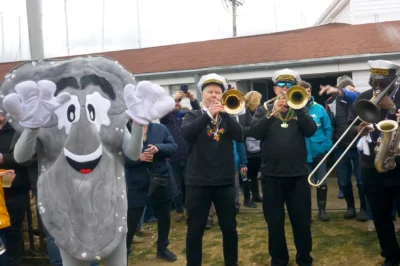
(360,12)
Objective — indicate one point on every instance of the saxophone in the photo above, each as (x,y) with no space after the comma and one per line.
(387,146)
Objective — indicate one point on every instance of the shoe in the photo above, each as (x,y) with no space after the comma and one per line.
(350,213)
(140,232)
(256,198)
(137,239)
(210,223)
(340,195)
(179,217)
(166,255)
(249,203)
(371,226)
(362,216)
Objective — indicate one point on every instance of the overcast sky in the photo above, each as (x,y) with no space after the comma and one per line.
(162,22)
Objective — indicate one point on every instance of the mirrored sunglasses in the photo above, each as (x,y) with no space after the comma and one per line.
(281,84)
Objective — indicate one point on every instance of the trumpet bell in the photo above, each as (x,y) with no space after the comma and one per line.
(368,111)
(297,97)
(233,101)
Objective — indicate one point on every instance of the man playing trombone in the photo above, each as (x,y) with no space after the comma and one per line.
(381,182)
(210,133)
(282,127)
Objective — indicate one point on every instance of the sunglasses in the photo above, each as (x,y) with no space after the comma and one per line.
(382,84)
(283,84)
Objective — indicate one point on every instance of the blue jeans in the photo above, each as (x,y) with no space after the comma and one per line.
(320,173)
(345,168)
(54,252)
(140,224)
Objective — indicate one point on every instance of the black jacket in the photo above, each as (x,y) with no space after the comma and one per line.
(21,183)
(283,150)
(211,163)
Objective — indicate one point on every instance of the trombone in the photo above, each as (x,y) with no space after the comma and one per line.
(296,97)
(367,111)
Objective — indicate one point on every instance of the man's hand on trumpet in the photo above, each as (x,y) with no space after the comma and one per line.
(280,105)
(216,108)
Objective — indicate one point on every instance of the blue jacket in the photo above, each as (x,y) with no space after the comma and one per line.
(239,155)
(136,172)
(321,141)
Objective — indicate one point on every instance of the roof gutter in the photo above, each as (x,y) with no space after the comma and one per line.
(269,65)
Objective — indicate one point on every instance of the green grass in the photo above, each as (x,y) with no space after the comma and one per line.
(337,242)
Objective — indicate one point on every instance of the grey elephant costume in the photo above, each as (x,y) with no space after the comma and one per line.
(73,114)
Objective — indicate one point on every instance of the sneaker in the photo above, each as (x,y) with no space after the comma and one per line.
(166,255)
(371,226)
(2,249)
(179,217)
(249,203)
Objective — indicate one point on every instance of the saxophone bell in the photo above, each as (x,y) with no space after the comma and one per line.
(387,146)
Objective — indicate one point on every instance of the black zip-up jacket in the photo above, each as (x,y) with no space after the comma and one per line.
(211,163)
(283,150)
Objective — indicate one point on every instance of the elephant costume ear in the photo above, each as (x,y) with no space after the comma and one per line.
(71,75)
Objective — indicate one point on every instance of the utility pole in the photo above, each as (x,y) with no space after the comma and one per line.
(138,23)
(234,17)
(102,28)
(235,4)
(3,54)
(66,25)
(34,15)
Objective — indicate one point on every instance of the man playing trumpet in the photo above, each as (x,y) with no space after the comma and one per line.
(211,178)
(284,170)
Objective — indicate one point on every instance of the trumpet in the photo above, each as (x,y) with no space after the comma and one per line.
(368,111)
(233,102)
(296,98)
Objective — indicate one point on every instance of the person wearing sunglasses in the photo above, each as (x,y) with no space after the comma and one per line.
(382,189)
(284,171)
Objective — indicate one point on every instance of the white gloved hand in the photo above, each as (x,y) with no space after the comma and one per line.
(34,103)
(146,102)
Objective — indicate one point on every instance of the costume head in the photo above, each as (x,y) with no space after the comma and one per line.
(81,187)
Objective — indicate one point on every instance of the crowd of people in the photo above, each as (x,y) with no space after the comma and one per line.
(209,157)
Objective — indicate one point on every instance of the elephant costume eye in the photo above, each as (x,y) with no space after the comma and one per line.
(97,110)
(68,114)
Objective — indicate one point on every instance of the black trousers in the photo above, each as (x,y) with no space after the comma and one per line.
(163,212)
(16,206)
(381,195)
(253,166)
(198,203)
(296,193)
